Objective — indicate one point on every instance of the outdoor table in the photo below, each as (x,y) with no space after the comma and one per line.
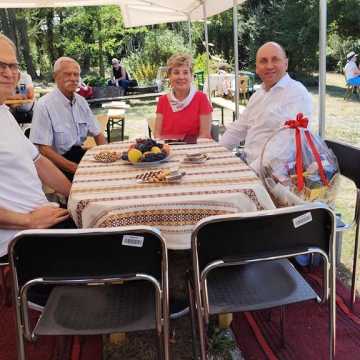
(108,195)
(116,105)
(115,117)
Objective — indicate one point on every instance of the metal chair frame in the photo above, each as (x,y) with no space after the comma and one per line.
(349,168)
(197,285)
(22,303)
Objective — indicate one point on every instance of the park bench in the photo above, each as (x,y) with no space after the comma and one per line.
(226,104)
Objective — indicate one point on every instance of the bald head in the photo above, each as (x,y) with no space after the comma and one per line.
(67,75)
(271,45)
(271,63)
(62,60)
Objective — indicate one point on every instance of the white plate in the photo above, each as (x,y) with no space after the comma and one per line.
(144,164)
(196,160)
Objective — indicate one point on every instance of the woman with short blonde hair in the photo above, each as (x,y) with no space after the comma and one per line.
(184,113)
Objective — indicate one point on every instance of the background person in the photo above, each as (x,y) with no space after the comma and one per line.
(24,91)
(120,76)
(184,112)
(279,99)
(23,204)
(62,120)
(352,72)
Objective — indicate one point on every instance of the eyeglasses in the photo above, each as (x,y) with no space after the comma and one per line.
(14,67)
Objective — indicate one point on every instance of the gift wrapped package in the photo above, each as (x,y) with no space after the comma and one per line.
(297,166)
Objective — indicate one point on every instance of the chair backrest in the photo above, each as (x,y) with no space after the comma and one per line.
(262,234)
(91,253)
(348,157)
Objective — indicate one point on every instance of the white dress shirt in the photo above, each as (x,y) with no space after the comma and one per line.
(266,112)
(62,123)
(20,186)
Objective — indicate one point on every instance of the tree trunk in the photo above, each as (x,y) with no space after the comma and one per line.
(50,35)
(4,24)
(22,28)
(8,24)
(61,49)
(101,47)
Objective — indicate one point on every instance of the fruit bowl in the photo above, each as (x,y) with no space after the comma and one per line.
(146,152)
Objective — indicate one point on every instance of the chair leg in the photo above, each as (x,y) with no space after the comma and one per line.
(192,318)
(19,334)
(332,314)
(355,265)
(356,252)
(201,327)
(165,335)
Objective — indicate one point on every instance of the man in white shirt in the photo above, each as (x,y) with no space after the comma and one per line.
(279,99)
(62,120)
(23,204)
(352,72)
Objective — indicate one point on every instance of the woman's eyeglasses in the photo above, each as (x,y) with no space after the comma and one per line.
(14,67)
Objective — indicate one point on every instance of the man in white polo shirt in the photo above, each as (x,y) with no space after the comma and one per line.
(279,99)
(23,204)
(62,120)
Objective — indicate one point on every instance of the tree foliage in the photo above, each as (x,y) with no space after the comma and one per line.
(94,35)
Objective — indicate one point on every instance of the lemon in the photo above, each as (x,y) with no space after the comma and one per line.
(155,150)
(134,155)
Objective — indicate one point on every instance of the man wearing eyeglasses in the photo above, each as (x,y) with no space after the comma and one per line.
(23,204)
(62,120)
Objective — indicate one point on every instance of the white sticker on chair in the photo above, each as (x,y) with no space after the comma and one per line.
(302,220)
(133,240)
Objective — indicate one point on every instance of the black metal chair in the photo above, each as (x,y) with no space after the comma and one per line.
(97,281)
(349,163)
(240,262)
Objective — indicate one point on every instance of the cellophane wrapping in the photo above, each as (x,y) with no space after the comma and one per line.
(281,175)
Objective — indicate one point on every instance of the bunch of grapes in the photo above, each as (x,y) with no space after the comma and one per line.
(145,145)
(149,156)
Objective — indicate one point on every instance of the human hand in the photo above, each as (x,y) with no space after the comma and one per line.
(46,217)
(72,167)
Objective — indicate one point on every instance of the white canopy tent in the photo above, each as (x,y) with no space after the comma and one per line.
(147,12)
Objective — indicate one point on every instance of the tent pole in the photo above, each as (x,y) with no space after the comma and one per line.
(322,66)
(236,58)
(207,47)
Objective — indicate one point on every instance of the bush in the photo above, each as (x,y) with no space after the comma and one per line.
(94,80)
(156,48)
(140,69)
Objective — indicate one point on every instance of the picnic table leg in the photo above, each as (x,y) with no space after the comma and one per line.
(118,338)
(122,129)
(108,130)
(225,320)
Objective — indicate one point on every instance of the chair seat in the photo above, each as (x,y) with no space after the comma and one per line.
(90,310)
(256,286)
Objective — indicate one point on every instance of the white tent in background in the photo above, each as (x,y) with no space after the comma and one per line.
(147,12)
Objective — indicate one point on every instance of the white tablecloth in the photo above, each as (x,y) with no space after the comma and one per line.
(107,195)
